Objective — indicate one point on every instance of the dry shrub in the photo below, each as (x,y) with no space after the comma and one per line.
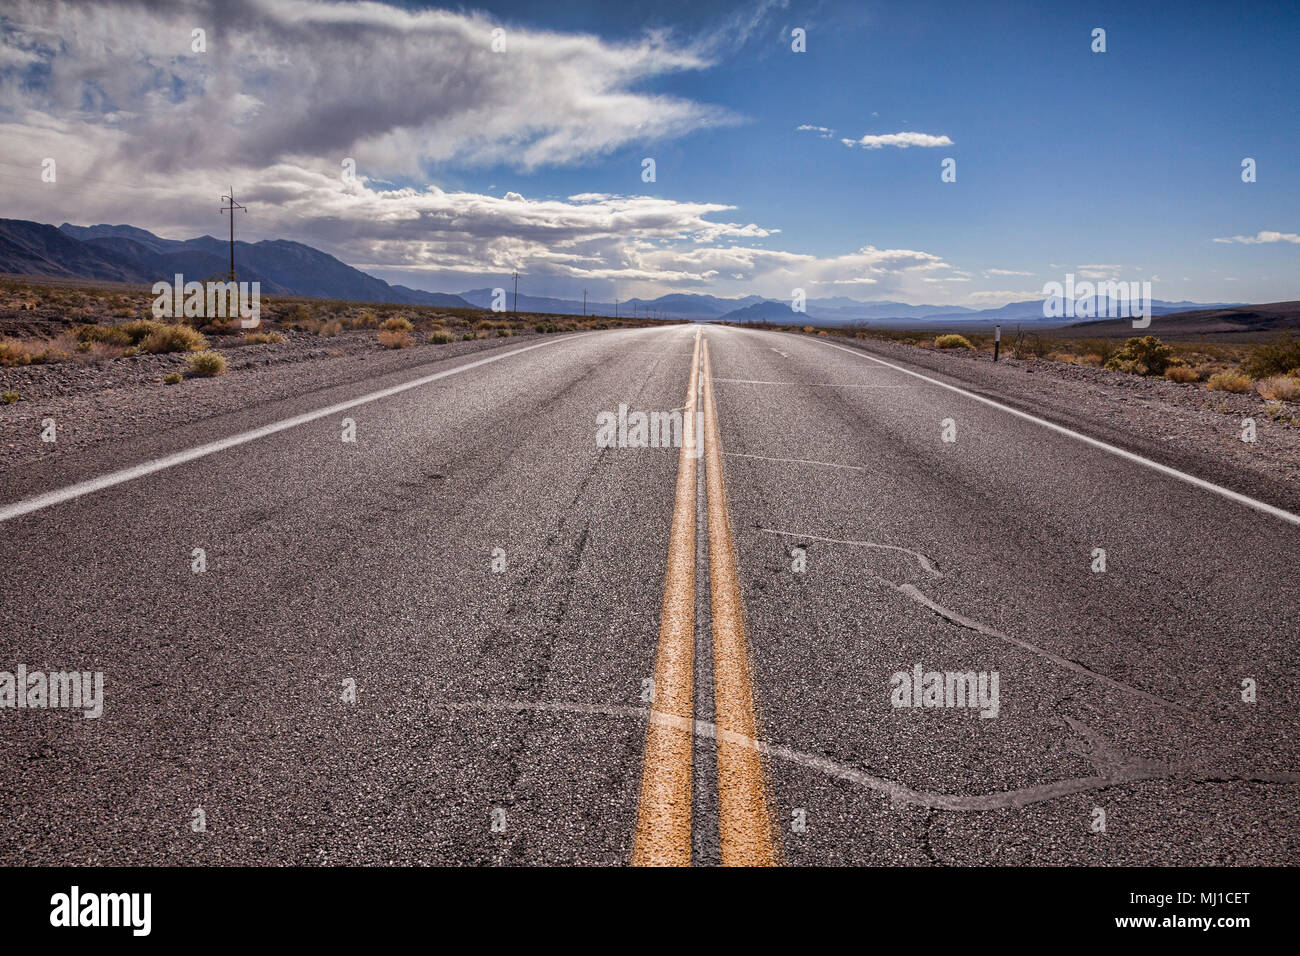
(59,349)
(1069,358)
(1182,374)
(396,324)
(395,339)
(1142,356)
(100,351)
(1275,358)
(139,330)
(1229,382)
(111,334)
(207,364)
(13,352)
(1205,370)
(220,326)
(952,341)
(173,338)
(1280,388)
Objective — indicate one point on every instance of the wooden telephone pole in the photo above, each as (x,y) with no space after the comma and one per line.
(231,207)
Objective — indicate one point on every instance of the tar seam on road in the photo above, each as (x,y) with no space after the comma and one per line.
(60,495)
(1241,499)
(745,829)
(797,461)
(663,829)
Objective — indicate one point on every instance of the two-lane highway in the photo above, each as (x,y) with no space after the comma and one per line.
(478,634)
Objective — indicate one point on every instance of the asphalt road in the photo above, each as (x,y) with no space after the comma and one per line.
(501,715)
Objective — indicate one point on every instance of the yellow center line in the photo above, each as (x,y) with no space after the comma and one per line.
(745,828)
(663,830)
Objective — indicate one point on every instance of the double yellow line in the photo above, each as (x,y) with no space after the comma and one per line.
(745,830)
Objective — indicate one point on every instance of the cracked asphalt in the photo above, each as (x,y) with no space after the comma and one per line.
(501,713)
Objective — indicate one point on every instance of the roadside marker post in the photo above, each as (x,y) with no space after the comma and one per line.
(997,340)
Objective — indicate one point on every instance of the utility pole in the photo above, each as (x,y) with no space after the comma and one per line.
(231,209)
(616,308)
(584,303)
(516,308)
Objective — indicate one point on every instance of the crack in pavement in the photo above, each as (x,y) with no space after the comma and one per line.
(1075,666)
(1129,770)
(926,563)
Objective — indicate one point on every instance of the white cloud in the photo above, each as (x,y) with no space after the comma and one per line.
(147,132)
(1005,272)
(823,132)
(1265,236)
(301,78)
(1102,271)
(901,140)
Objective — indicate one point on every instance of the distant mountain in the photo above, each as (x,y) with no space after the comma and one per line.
(902,314)
(482,299)
(677,305)
(142,236)
(851,310)
(691,305)
(1266,317)
(125,253)
(778,313)
(33,248)
(1032,311)
(837,311)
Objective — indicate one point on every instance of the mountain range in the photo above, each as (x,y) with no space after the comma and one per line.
(129,254)
(125,253)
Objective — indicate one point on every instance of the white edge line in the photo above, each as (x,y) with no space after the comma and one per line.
(1088,440)
(60,495)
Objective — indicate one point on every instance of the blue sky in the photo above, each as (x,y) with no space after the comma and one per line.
(1124,164)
